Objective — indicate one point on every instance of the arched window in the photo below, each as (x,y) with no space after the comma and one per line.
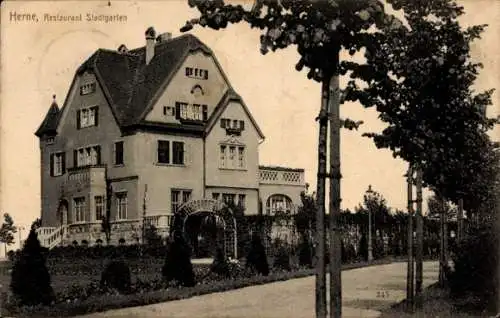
(278,202)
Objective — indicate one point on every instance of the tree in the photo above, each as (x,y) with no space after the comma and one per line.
(106,220)
(319,29)
(7,231)
(30,278)
(178,267)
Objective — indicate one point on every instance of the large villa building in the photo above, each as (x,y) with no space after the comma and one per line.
(148,132)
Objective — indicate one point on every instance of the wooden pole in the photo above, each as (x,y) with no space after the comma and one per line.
(320,216)
(335,237)
(443,243)
(410,273)
(460,216)
(419,253)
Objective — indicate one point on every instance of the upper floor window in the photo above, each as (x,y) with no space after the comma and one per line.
(232,157)
(88,88)
(121,205)
(88,156)
(178,197)
(57,164)
(51,140)
(216,196)
(118,150)
(171,152)
(191,111)
(99,207)
(79,209)
(87,117)
(197,73)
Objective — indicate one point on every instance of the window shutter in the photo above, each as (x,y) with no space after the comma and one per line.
(205,113)
(177,110)
(222,123)
(242,125)
(78,117)
(96,115)
(63,159)
(75,158)
(51,164)
(98,151)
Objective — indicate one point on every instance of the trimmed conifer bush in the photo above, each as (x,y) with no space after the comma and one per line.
(116,276)
(30,278)
(178,267)
(282,259)
(220,265)
(256,258)
(305,254)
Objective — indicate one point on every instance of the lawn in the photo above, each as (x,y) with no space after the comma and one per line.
(436,303)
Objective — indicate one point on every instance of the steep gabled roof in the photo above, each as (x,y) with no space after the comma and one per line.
(132,87)
(229,96)
(49,124)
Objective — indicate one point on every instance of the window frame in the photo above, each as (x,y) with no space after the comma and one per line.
(100,205)
(115,153)
(79,207)
(121,205)
(57,159)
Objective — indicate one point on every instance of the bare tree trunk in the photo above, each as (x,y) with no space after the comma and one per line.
(320,217)
(410,272)
(335,239)
(420,243)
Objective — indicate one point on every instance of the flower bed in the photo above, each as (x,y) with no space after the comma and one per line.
(79,301)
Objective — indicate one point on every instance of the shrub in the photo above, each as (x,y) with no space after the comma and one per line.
(116,276)
(282,259)
(305,253)
(256,258)
(220,265)
(178,267)
(30,279)
(475,268)
(363,247)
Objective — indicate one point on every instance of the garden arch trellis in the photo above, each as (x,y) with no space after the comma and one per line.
(219,210)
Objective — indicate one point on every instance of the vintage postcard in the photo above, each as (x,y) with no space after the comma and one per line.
(155,163)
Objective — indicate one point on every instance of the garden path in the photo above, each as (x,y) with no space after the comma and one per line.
(366,292)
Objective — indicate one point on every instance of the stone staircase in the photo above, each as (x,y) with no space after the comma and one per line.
(51,237)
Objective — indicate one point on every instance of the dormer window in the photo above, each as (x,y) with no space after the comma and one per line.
(232,126)
(87,117)
(196,73)
(88,88)
(194,112)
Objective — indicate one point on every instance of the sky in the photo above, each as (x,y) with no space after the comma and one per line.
(38,59)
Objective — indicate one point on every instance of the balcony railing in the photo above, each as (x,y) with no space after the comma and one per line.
(282,176)
(87,176)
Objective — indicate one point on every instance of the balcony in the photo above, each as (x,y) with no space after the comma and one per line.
(281,176)
(83,178)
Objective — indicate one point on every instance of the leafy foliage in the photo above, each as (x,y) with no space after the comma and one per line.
(423,92)
(30,279)
(7,230)
(220,265)
(116,276)
(178,267)
(282,259)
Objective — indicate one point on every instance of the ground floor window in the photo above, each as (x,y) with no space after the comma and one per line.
(178,197)
(278,203)
(79,209)
(121,203)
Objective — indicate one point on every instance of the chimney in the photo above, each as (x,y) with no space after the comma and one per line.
(150,44)
(164,37)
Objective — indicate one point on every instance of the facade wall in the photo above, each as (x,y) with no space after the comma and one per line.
(162,178)
(70,137)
